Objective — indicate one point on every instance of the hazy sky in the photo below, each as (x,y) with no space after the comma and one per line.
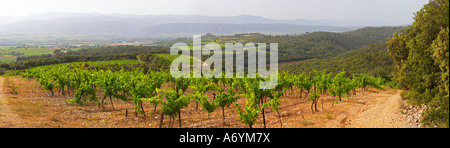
(395,11)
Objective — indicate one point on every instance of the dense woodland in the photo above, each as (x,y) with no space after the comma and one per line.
(421,55)
(373,60)
(308,46)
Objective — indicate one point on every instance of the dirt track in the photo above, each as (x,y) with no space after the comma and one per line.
(376,109)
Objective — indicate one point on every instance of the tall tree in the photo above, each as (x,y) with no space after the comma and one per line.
(421,57)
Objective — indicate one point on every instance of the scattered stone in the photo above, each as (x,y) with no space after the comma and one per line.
(413,114)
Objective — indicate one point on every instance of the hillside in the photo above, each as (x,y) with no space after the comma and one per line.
(315,45)
(188,29)
(124,25)
(309,47)
(372,60)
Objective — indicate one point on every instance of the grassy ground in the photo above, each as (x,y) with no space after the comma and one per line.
(7,58)
(28,51)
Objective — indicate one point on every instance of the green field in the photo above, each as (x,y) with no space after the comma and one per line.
(169,58)
(26,51)
(151,45)
(7,59)
(8,55)
(94,63)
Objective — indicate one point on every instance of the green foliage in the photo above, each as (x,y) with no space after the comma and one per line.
(314,95)
(109,53)
(86,92)
(46,83)
(200,87)
(12,73)
(225,98)
(13,89)
(207,105)
(328,115)
(124,85)
(253,96)
(373,60)
(174,102)
(307,84)
(336,86)
(249,115)
(316,45)
(421,57)
(139,87)
(322,81)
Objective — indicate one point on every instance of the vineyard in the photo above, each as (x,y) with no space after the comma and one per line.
(158,88)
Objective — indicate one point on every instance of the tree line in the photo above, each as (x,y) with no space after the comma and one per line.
(421,54)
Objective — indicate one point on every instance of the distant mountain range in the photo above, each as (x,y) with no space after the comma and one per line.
(169,25)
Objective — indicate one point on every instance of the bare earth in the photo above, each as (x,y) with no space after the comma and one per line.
(371,110)
(34,107)
(7,117)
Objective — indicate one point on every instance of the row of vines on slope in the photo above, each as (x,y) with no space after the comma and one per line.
(139,86)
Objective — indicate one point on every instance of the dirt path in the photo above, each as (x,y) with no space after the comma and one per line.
(372,110)
(7,118)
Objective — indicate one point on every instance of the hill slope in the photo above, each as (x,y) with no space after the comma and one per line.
(373,60)
(315,45)
(173,25)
